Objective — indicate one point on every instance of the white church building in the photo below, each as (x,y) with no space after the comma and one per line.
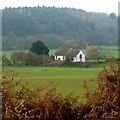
(77,55)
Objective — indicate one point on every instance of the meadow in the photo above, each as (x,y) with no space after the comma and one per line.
(8,53)
(67,80)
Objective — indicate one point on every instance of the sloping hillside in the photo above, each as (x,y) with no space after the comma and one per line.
(66,27)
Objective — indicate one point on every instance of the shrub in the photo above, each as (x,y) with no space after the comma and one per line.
(17,57)
(29,58)
(104,102)
(68,61)
(5,60)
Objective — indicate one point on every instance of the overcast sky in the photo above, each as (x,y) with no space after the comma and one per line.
(107,6)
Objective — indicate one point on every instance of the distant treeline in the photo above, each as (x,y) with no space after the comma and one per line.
(65,27)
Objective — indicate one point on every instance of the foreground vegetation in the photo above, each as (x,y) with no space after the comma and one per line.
(46,103)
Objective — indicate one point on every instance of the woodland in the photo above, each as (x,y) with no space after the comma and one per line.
(65,27)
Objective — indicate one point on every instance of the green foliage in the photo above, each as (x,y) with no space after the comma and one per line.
(39,48)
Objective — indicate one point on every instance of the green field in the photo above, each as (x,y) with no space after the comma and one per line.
(8,53)
(68,80)
(110,47)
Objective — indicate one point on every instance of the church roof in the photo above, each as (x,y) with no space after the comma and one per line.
(73,53)
(63,51)
(67,52)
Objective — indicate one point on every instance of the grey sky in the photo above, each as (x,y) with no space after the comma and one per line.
(107,6)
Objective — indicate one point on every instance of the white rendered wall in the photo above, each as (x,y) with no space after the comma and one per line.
(77,58)
(60,58)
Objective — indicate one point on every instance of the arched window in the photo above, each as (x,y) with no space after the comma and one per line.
(80,56)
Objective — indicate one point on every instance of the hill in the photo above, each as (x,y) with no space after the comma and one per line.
(66,27)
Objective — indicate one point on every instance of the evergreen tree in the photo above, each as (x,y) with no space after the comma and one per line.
(39,48)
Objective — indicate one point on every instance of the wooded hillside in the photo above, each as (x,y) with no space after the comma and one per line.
(65,27)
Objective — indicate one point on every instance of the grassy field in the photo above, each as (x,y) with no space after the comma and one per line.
(67,79)
(52,51)
(114,53)
(8,53)
(110,47)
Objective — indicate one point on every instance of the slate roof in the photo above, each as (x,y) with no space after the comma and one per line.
(73,53)
(63,51)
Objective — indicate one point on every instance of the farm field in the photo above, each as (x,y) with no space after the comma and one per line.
(68,80)
(110,47)
(52,51)
(113,52)
(8,53)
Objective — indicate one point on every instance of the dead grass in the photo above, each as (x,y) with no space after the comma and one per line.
(104,101)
